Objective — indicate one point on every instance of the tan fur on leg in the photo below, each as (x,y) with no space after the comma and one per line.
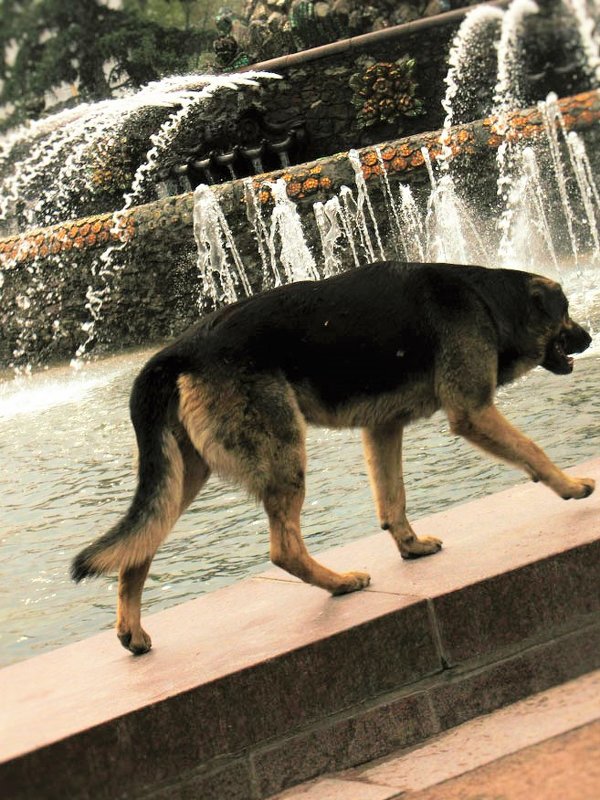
(129,627)
(289,552)
(383,454)
(492,432)
(195,470)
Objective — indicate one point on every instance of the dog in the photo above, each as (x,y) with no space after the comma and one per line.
(376,348)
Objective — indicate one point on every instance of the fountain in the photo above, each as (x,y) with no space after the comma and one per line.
(136,276)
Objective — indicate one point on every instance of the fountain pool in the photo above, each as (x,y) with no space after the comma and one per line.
(67,446)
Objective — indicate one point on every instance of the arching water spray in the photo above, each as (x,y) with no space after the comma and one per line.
(470,48)
(107,270)
(509,95)
(162,139)
(589,40)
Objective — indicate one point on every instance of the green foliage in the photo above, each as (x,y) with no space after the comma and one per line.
(185,14)
(83,44)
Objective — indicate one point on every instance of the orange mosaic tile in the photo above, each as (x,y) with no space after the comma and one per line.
(369,158)
(399,164)
(311,185)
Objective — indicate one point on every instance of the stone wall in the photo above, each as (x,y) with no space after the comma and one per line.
(271,28)
(353,93)
(150,280)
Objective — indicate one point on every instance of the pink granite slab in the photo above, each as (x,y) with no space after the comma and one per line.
(64,691)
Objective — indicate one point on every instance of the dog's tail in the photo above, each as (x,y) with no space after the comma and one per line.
(157,500)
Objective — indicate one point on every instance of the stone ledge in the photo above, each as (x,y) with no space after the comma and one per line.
(269,682)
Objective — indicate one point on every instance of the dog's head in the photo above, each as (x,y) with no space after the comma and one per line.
(563,336)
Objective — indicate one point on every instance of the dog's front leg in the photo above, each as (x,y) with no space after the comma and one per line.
(489,430)
(383,454)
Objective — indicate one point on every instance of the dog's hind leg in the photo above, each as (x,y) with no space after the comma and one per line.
(195,469)
(249,429)
(131,579)
(383,454)
(129,601)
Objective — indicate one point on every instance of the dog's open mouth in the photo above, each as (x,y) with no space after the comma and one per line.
(557,359)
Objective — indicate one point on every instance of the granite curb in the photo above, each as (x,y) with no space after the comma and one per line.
(269,682)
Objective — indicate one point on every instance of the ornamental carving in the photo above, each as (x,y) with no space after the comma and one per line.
(385,91)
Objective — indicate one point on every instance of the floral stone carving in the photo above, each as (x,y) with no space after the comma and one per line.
(384,92)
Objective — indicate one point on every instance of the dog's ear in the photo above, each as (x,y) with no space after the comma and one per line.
(548,297)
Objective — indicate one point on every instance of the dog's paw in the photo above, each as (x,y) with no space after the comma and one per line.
(579,488)
(417,548)
(352,582)
(137,644)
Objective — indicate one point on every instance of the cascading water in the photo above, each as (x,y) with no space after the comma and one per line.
(69,138)
(266,248)
(447,224)
(221,279)
(286,228)
(335,228)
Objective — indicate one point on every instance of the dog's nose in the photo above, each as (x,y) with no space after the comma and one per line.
(579,338)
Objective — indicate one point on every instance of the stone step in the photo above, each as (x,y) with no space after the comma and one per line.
(544,747)
(267,683)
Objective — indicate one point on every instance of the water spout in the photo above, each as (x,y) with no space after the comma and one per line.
(221,280)
(286,228)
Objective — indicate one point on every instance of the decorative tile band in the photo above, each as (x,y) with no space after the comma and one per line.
(312,181)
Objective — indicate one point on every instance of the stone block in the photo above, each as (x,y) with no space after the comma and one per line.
(345,742)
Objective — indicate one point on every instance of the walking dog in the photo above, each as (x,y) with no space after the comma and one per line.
(375,348)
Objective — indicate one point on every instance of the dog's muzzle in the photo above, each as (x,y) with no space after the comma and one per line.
(571,339)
